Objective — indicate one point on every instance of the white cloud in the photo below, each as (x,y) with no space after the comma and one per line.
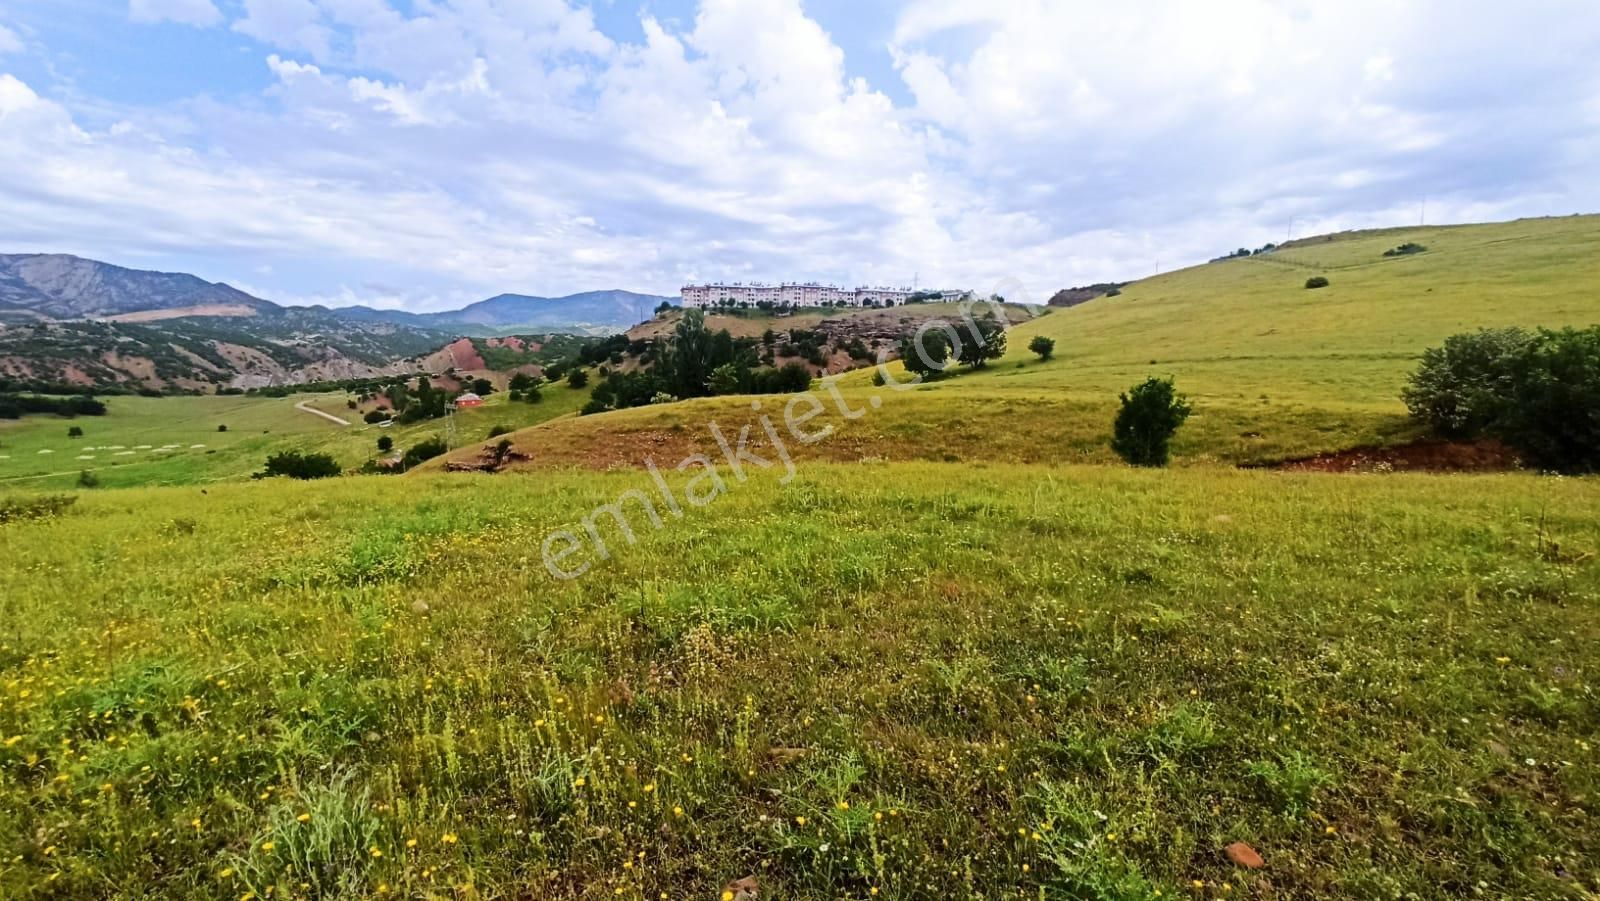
(199,13)
(289,24)
(9,42)
(480,146)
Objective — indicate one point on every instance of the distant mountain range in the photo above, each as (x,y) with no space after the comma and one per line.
(64,287)
(592,310)
(65,320)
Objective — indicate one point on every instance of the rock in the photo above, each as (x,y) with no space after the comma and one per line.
(1244,855)
(420,607)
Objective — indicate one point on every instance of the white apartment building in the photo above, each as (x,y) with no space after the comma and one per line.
(796,294)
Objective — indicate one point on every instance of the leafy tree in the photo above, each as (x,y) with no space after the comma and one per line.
(989,345)
(374,417)
(482,387)
(74,432)
(296,465)
(1044,347)
(532,394)
(522,381)
(500,429)
(385,443)
(929,356)
(577,378)
(222,428)
(1151,414)
(724,379)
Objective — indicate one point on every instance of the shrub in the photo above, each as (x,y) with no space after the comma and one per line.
(423,452)
(1114,292)
(577,378)
(87,479)
(501,429)
(222,428)
(296,465)
(1316,281)
(374,417)
(1044,347)
(482,387)
(385,443)
(532,394)
(1538,392)
(25,508)
(75,432)
(1151,414)
(1460,388)
(1405,249)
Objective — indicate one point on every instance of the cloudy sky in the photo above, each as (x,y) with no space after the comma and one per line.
(427,153)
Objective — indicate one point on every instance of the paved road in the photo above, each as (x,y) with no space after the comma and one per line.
(301,406)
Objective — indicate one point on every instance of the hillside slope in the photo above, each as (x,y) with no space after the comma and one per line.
(1276,371)
(62,286)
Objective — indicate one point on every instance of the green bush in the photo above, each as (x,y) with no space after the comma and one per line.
(296,465)
(1044,347)
(1539,392)
(423,452)
(1151,414)
(385,444)
(577,378)
(1460,388)
(374,417)
(1405,249)
(1317,281)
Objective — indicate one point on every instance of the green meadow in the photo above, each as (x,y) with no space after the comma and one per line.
(961,653)
(176,440)
(926,681)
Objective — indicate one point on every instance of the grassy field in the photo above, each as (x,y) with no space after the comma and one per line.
(1275,371)
(175,440)
(898,681)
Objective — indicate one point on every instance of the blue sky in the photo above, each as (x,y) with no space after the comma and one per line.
(427,153)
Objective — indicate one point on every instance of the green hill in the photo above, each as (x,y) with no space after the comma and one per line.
(1275,370)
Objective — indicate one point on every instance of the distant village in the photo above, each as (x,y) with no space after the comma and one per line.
(806,294)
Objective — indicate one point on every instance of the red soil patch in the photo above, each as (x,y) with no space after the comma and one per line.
(1420,456)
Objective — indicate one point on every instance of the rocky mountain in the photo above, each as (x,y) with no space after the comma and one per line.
(59,286)
(69,321)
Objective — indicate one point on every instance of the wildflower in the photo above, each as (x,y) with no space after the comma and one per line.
(268,846)
(227,873)
(411,843)
(1330,831)
(649,788)
(13,740)
(727,896)
(677,811)
(449,838)
(579,782)
(844,805)
(303,818)
(1502,660)
(375,851)
(800,821)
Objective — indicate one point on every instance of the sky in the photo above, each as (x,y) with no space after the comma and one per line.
(424,154)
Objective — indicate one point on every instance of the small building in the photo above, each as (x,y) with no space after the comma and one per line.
(469,400)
